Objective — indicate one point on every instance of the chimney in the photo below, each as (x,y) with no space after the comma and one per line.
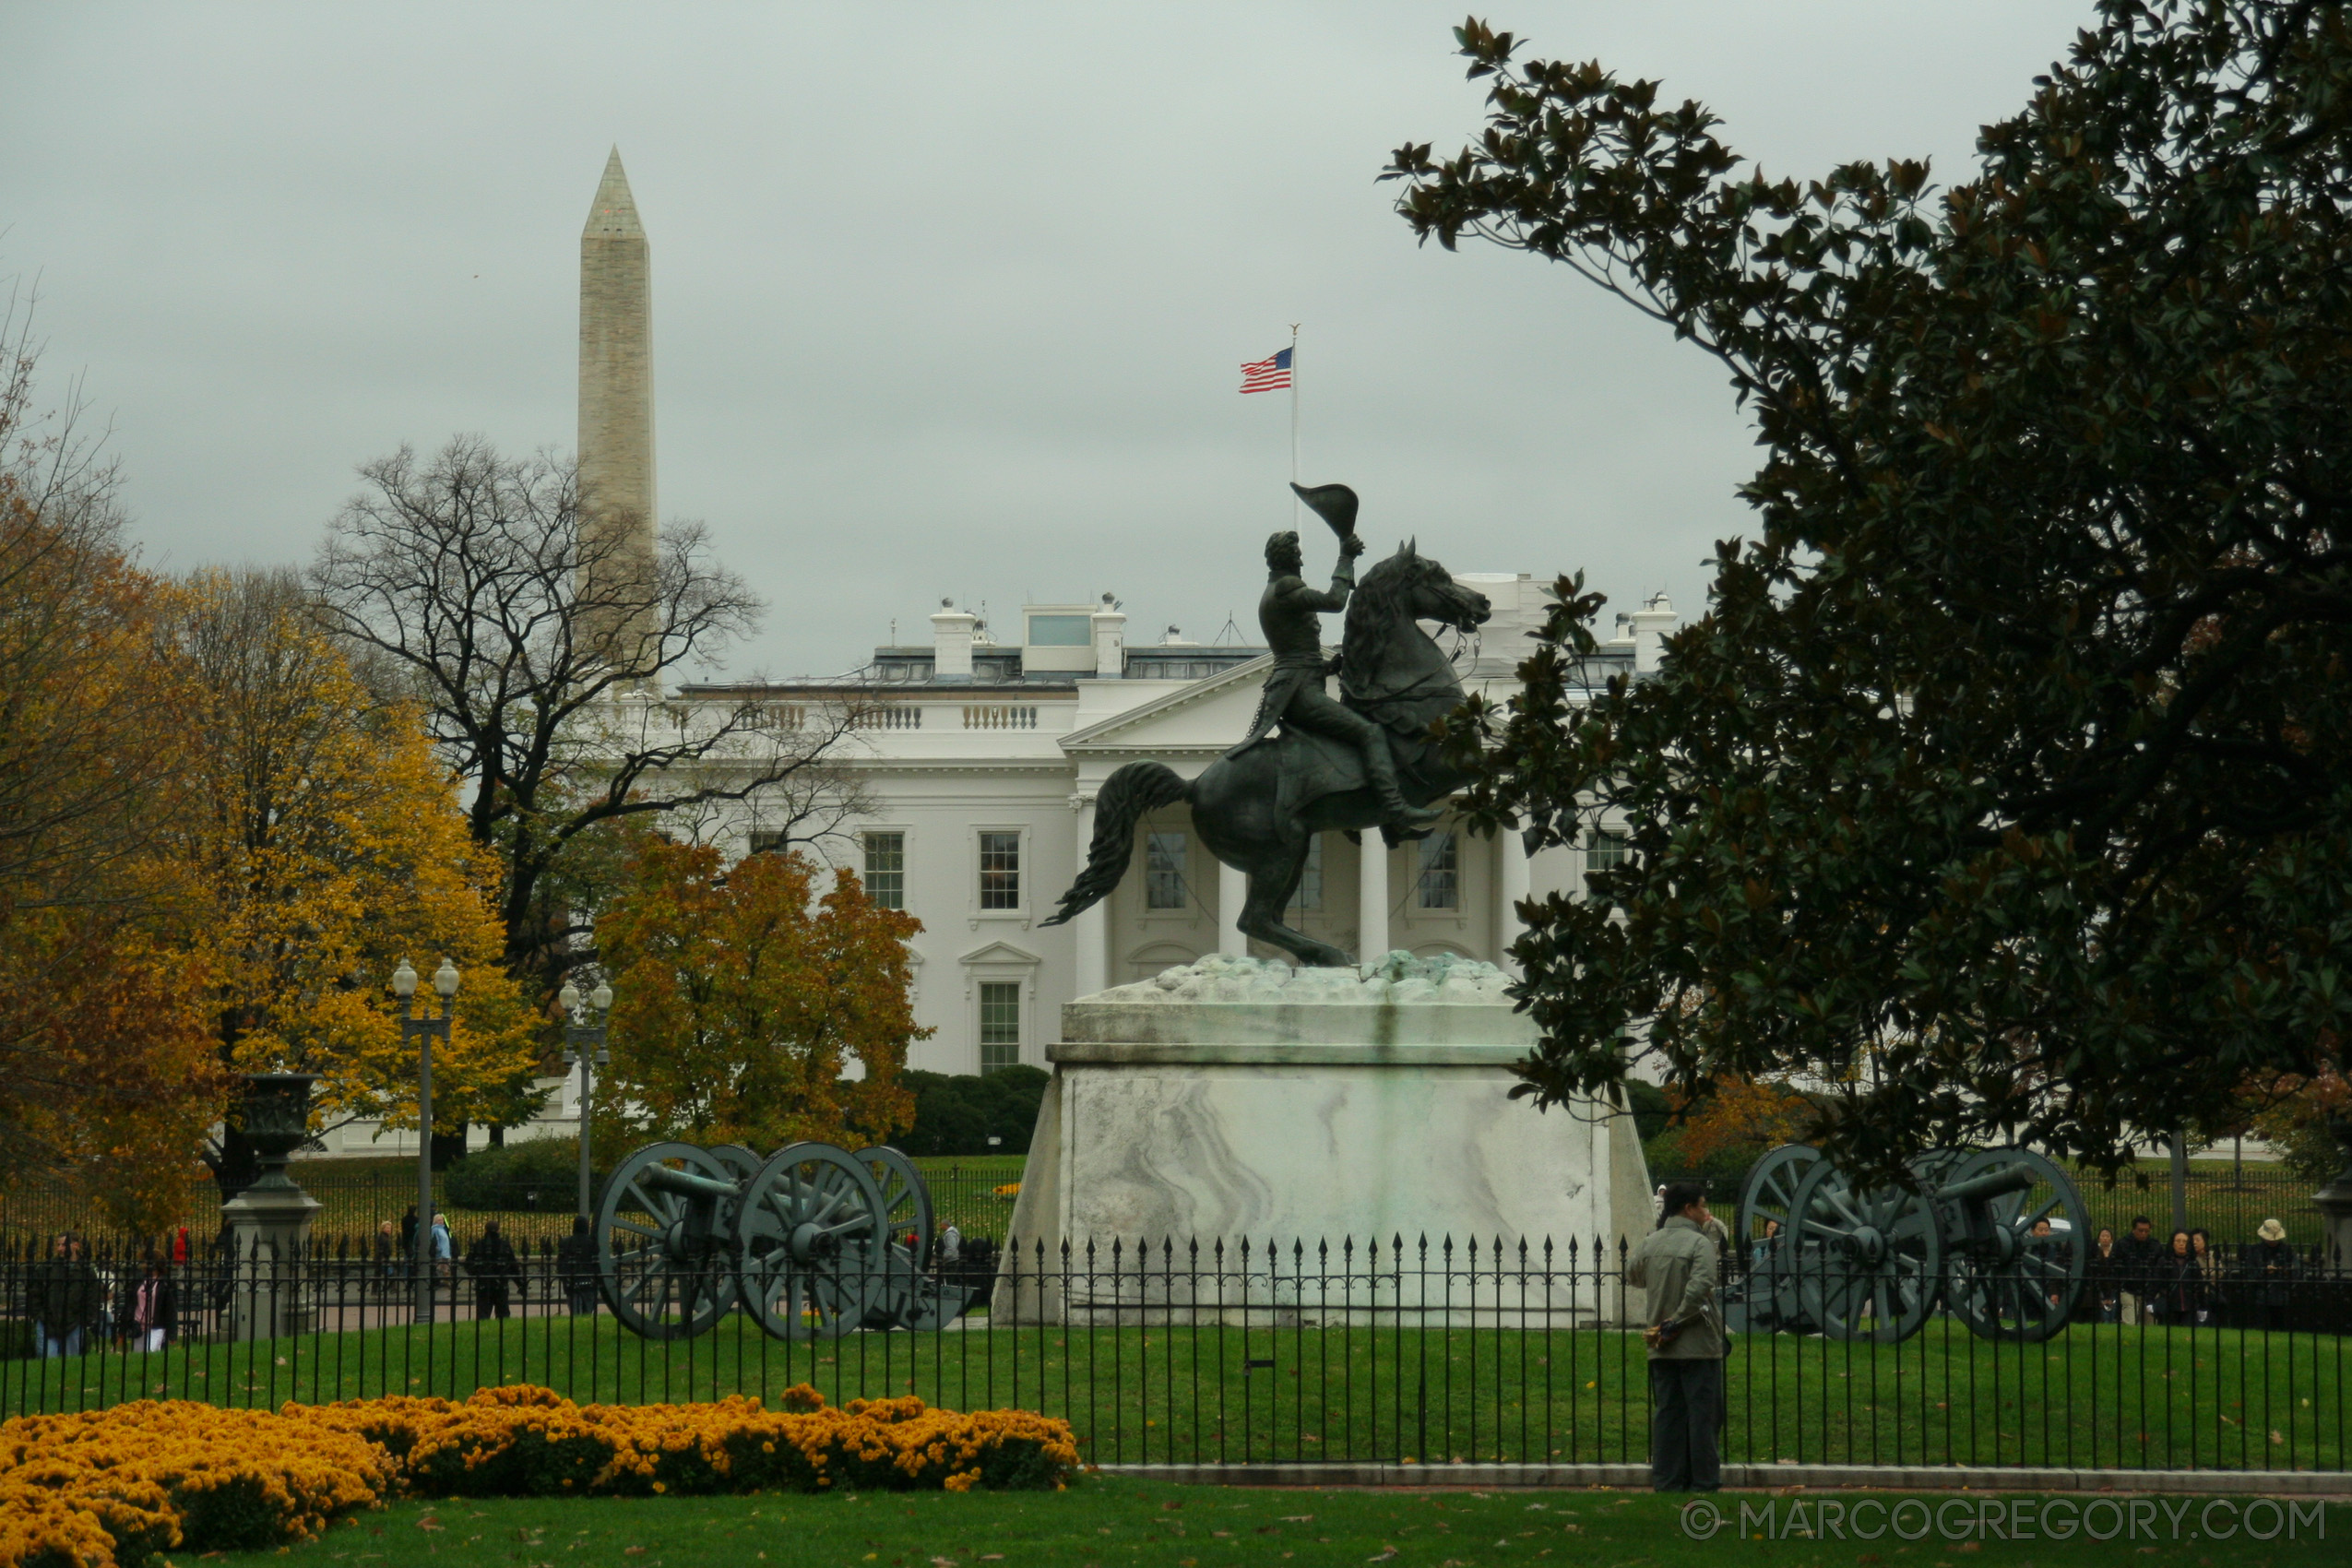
(1652,624)
(1110,640)
(951,640)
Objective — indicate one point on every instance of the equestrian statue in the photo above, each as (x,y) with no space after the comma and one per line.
(1310,763)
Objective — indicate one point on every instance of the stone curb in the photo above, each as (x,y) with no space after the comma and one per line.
(1878,1477)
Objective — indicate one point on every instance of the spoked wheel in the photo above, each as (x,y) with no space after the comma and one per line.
(905,1198)
(741,1163)
(1869,1260)
(664,1240)
(1766,1239)
(810,1242)
(2015,1271)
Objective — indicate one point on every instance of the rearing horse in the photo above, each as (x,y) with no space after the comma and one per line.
(1259,811)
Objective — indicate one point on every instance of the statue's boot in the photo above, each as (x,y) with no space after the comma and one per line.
(1396,812)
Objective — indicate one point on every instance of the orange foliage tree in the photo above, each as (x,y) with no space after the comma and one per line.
(104,1072)
(742,998)
(1738,1115)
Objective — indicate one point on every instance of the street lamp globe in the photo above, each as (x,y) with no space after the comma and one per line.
(445,979)
(404,981)
(601,999)
(568,998)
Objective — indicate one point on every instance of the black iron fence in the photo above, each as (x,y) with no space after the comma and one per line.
(1392,1351)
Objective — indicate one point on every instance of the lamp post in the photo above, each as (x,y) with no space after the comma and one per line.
(424,1031)
(584,1044)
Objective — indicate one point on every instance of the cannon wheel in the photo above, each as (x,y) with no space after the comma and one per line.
(2012,1285)
(661,1256)
(741,1163)
(1770,1193)
(904,1197)
(810,1242)
(1870,1260)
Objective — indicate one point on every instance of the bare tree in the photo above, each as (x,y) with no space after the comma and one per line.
(536,644)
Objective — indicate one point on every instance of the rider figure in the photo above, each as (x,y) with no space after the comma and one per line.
(1290,613)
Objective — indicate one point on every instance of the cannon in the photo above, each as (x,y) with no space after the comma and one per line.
(811,1240)
(1999,1237)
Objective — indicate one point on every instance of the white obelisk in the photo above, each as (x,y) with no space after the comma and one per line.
(616,411)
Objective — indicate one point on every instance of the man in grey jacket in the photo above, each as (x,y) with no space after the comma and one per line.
(1679,1267)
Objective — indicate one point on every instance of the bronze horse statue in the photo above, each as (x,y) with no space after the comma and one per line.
(1259,810)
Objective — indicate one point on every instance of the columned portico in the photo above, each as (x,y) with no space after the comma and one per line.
(1513,882)
(1232,891)
(1090,930)
(1372,897)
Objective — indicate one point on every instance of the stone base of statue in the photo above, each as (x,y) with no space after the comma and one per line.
(1236,1137)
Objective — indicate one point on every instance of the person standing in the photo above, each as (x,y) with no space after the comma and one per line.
(442,1253)
(72,1302)
(2209,1275)
(2100,1277)
(408,1232)
(388,1252)
(155,1308)
(575,1268)
(2269,1268)
(2179,1284)
(491,1262)
(2139,1263)
(1679,1267)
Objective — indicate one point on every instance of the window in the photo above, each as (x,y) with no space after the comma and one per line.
(1441,881)
(1060,631)
(1603,850)
(1308,895)
(1000,870)
(767,841)
(886,870)
(1164,872)
(1000,1024)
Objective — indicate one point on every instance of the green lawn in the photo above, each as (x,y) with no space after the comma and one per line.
(2104,1397)
(1111,1522)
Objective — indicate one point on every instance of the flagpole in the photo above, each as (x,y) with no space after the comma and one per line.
(1297,508)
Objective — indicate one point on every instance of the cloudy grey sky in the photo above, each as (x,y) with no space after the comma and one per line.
(949,299)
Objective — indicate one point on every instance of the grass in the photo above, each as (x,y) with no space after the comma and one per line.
(1114,1522)
(2104,1396)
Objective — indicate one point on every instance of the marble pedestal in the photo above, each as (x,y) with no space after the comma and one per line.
(1235,1135)
(269,1232)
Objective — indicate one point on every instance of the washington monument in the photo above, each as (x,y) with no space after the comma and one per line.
(616,414)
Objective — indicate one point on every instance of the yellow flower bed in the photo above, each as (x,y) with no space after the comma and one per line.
(111,1487)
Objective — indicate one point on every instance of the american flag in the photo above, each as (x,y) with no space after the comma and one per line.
(1267,375)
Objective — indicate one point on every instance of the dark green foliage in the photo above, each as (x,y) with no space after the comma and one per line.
(540,1175)
(2006,788)
(1650,1106)
(956,1113)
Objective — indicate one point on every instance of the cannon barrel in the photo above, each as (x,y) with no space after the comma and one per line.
(1991,1184)
(687,1184)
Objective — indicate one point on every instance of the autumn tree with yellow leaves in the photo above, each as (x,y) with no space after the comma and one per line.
(743,998)
(328,840)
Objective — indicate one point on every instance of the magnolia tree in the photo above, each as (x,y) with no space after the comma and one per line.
(2005,790)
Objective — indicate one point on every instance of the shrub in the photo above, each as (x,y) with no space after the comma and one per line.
(538,1176)
(957,1114)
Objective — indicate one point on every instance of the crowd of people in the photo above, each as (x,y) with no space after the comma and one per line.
(2187,1280)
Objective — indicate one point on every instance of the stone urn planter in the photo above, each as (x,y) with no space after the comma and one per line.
(274,1113)
(269,1221)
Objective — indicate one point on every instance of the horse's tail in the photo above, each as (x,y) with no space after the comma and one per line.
(1126,795)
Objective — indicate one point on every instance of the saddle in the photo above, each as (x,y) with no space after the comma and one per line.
(1336,768)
